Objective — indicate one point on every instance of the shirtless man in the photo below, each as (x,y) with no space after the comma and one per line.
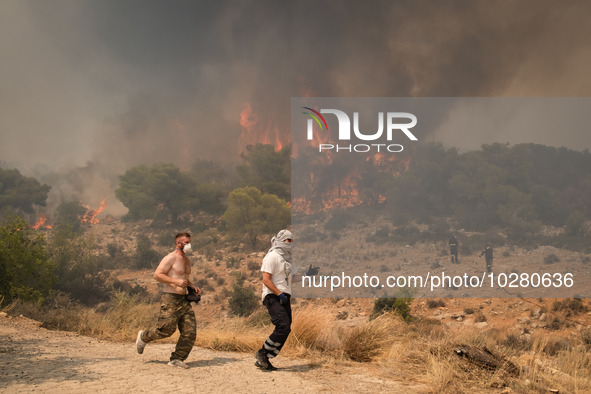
(173,271)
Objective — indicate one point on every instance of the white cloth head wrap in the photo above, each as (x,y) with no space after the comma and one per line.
(280,245)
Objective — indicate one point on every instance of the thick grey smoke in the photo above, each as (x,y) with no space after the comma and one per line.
(107,84)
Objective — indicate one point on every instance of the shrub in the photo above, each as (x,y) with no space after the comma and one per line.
(570,306)
(338,221)
(400,306)
(516,342)
(586,337)
(145,256)
(26,268)
(233,262)
(364,342)
(432,304)
(165,238)
(203,284)
(551,259)
(480,318)
(243,301)
(253,265)
(381,236)
(259,318)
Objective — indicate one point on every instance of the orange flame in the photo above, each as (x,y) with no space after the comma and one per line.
(347,193)
(90,216)
(252,133)
(41,222)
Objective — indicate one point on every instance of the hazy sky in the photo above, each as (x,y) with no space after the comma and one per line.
(112,84)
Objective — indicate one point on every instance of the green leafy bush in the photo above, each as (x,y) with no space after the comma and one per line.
(243,301)
(400,306)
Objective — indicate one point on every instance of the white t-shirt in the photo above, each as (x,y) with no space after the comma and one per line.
(280,271)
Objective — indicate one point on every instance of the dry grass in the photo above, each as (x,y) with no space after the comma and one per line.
(369,340)
(119,320)
(235,334)
(420,351)
(313,330)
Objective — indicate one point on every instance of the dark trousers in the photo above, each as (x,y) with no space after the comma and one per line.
(489,263)
(453,250)
(281,318)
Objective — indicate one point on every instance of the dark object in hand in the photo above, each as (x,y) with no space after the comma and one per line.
(192,296)
(283,299)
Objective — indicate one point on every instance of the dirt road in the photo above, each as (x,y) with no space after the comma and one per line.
(33,359)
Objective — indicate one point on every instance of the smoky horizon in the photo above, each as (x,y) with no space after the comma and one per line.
(93,88)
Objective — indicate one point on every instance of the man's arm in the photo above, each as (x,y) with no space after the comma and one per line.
(161,273)
(269,283)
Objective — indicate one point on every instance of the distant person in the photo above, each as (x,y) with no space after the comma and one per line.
(488,255)
(312,271)
(175,310)
(453,249)
(277,272)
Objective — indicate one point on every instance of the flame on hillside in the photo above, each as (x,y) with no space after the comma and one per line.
(254,132)
(91,215)
(324,193)
(41,222)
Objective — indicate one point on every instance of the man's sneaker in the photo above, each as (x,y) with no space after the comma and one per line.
(262,361)
(178,363)
(139,344)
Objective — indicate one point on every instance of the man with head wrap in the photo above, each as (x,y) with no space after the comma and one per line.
(277,270)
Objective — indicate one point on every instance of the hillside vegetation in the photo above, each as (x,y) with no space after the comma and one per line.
(95,276)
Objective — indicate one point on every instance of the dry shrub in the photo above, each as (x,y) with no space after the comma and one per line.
(442,373)
(575,365)
(568,371)
(60,312)
(428,328)
(586,337)
(469,335)
(314,330)
(514,342)
(365,342)
(124,316)
(8,307)
(234,334)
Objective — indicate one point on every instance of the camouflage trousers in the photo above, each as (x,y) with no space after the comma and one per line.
(175,311)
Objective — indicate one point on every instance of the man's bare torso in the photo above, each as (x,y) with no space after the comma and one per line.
(180,268)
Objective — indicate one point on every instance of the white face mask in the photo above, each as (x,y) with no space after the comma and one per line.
(187,248)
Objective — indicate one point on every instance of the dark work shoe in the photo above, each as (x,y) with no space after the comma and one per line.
(269,368)
(262,361)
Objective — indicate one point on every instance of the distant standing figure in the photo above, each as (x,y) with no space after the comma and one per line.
(277,272)
(488,255)
(311,271)
(453,249)
(175,310)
